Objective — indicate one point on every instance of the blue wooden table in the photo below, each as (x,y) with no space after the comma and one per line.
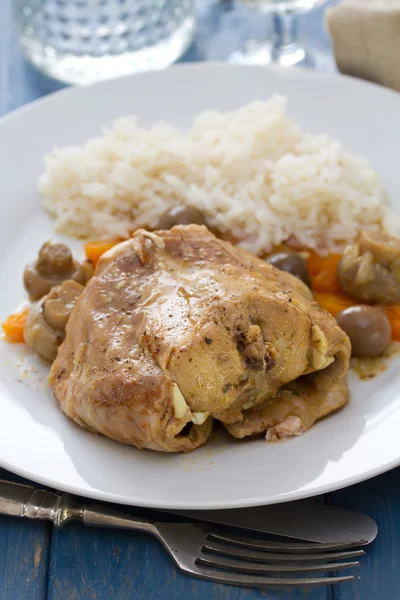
(39,562)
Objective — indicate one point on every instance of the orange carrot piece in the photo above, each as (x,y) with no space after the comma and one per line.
(395,325)
(326,279)
(334,303)
(314,262)
(393,314)
(94,250)
(14,326)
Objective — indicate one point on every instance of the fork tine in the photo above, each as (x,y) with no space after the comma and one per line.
(242,553)
(290,547)
(235,566)
(185,541)
(265,582)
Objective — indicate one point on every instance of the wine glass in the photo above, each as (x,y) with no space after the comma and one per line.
(284,47)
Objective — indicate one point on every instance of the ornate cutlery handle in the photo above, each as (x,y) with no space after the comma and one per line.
(18,500)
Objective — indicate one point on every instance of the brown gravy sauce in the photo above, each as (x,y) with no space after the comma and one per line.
(368,368)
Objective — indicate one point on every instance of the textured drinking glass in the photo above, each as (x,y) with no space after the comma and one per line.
(284,47)
(82,41)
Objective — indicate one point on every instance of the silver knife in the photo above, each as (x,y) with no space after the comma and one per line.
(303,520)
(306,520)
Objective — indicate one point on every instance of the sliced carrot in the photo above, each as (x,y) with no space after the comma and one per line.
(314,262)
(393,314)
(14,326)
(395,325)
(334,303)
(325,280)
(94,250)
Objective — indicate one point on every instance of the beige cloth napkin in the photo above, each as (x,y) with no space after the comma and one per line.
(366,39)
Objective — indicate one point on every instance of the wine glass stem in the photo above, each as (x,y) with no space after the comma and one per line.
(284,34)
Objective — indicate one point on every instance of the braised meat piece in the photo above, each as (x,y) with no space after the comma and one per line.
(178,328)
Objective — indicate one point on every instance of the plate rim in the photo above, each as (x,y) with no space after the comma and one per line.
(216,505)
(285,72)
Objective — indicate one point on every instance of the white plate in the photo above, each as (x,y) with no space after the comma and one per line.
(37,441)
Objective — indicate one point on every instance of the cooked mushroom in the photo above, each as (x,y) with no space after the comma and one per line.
(45,327)
(54,265)
(180,215)
(59,303)
(368,329)
(291,263)
(370,269)
(40,335)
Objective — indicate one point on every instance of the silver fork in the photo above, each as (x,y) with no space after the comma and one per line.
(197,550)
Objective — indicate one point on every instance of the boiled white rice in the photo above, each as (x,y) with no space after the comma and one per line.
(253,173)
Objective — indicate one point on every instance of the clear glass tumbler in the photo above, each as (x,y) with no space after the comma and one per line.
(83,41)
(283,47)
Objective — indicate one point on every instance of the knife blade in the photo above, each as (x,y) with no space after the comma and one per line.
(305,520)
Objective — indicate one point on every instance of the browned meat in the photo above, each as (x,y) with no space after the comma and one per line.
(297,405)
(177,328)
(370,269)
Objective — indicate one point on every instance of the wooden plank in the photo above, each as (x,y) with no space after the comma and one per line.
(24,552)
(94,564)
(379,573)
